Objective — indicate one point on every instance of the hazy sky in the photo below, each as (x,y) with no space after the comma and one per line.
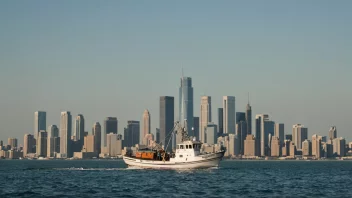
(115,58)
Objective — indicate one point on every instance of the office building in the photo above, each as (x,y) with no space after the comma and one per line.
(157,135)
(89,144)
(264,127)
(97,133)
(288,137)
(166,119)
(249,118)
(293,149)
(132,133)
(186,105)
(280,132)
(79,132)
(275,147)
(205,115)
(28,144)
(42,144)
(250,146)
(53,141)
(65,135)
(286,148)
(229,114)
(146,125)
(210,133)
(110,126)
(241,132)
(39,122)
(338,147)
(221,121)
(332,133)
(299,134)
(307,148)
(12,142)
(316,146)
(240,116)
(114,144)
(196,128)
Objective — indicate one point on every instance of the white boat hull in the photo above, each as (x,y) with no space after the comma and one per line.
(208,161)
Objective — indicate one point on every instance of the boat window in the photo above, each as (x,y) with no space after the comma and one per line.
(194,146)
(178,146)
(190,146)
(181,146)
(181,155)
(186,146)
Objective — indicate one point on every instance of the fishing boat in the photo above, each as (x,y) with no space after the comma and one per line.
(188,155)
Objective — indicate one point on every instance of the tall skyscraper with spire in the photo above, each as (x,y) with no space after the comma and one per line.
(186,104)
(65,134)
(205,115)
(249,117)
(146,125)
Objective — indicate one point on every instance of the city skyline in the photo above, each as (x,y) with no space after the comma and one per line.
(141,53)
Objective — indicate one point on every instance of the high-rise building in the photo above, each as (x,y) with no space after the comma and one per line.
(293,149)
(280,132)
(241,132)
(229,114)
(286,148)
(275,147)
(146,125)
(250,146)
(53,141)
(28,144)
(210,133)
(166,113)
(240,116)
(157,135)
(205,115)
(110,126)
(220,121)
(12,142)
(114,144)
(234,147)
(39,122)
(196,127)
(332,133)
(264,127)
(339,147)
(249,118)
(306,148)
(299,134)
(42,144)
(79,132)
(316,146)
(65,135)
(97,133)
(186,105)
(1,143)
(132,133)
(148,140)
(89,144)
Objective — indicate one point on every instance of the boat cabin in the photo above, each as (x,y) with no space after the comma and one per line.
(187,150)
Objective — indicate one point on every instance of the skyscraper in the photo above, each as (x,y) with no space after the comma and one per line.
(229,115)
(280,132)
(264,127)
(97,134)
(249,118)
(220,121)
(110,126)
(65,134)
(53,144)
(205,115)
(12,142)
(196,127)
(28,144)
(157,135)
(299,134)
(240,116)
(146,125)
(166,114)
(79,132)
(332,133)
(250,146)
(39,122)
(186,104)
(132,133)
(42,144)
(241,132)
